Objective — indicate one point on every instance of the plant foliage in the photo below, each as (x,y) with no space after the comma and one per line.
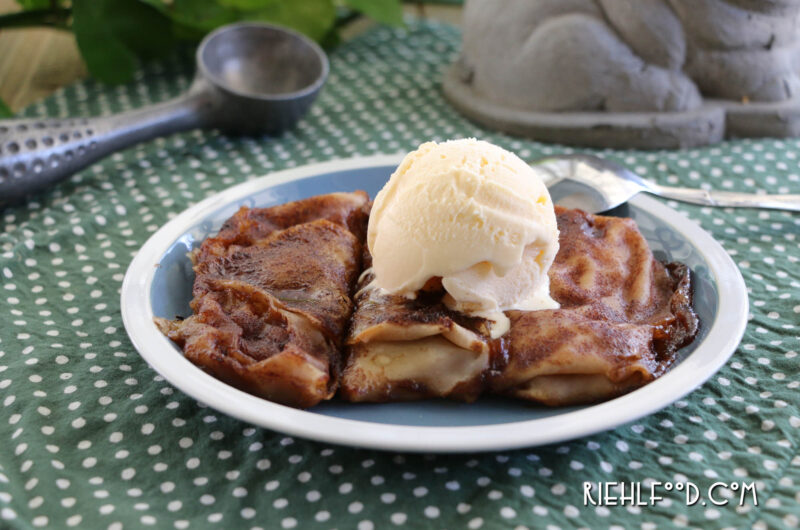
(113,35)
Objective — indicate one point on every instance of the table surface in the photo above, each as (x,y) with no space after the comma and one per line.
(93,438)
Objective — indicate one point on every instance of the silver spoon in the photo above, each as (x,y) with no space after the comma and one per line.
(597,185)
(251,79)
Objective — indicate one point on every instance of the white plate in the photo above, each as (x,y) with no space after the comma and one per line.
(158,283)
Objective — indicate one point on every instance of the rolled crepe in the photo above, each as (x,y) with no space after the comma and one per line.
(272,298)
(623,316)
(404,349)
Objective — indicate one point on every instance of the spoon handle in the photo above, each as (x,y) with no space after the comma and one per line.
(35,153)
(728,198)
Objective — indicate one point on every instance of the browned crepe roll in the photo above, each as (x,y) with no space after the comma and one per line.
(272,298)
(402,349)
(623,316)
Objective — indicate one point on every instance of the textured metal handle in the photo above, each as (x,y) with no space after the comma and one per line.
(729,198)
(36,153)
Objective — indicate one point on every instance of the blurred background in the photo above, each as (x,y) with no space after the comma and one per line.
(46,44)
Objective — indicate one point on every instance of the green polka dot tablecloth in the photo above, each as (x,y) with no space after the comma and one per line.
(91,437)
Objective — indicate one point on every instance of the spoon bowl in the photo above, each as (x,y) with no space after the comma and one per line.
(263,78)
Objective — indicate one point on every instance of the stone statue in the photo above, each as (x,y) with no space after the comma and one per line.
(631,73)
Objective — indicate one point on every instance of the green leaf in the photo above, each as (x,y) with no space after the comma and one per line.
(384,11)
(249,5)
(5,112)
(106,55)
(193,18)
(111,34)
(160,5)
(314,18)
(331,39)
(202,15)
(143,29)
(34,4)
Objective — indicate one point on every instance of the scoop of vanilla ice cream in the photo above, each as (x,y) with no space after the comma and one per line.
(473,214)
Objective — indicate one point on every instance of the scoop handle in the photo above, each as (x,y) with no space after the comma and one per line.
(35,153)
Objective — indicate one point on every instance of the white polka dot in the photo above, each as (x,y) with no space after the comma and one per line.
(388,498)
(398,518)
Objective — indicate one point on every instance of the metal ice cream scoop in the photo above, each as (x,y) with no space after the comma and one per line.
(597,185)
(251,79)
